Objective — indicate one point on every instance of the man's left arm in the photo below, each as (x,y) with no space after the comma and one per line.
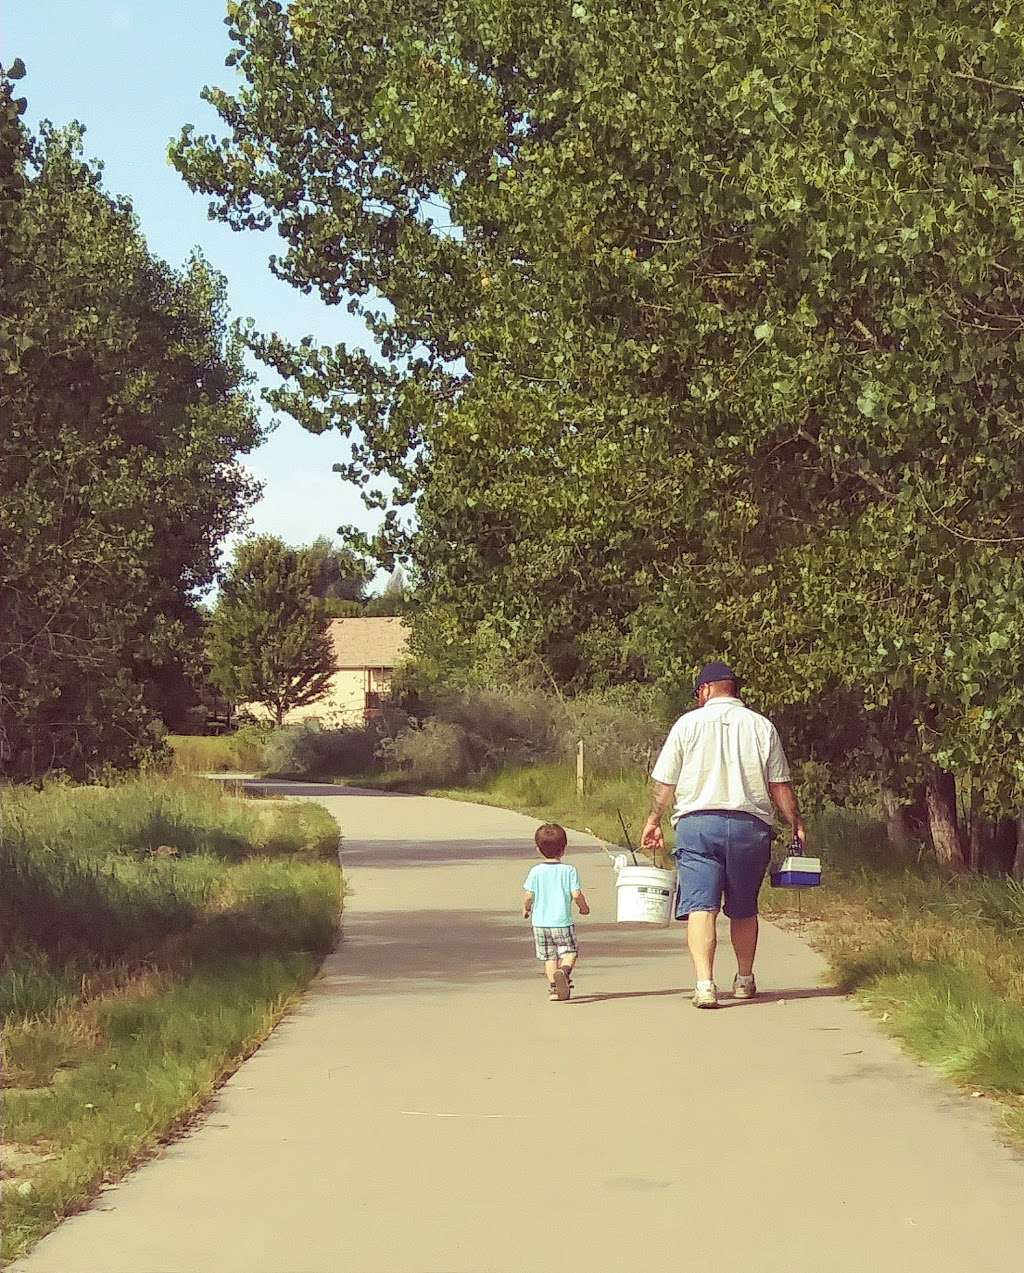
(784,799)
(781,788)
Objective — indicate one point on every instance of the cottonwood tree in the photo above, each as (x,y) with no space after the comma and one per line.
(713,349)
(125,405)
(339,572)
(268,636)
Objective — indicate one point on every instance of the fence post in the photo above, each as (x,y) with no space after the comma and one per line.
(579,768)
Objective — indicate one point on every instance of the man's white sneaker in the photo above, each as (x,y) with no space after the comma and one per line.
(705,996)
(744,987)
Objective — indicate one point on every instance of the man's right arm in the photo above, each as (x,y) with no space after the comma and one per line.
(652,836)
(784,799)
(665,775)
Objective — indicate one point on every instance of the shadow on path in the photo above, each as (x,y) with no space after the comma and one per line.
(403,952)
(384,854)
(629,994)
(784,996)
(764,997)
(319,790)
(398,952)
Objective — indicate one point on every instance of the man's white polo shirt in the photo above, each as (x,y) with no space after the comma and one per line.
(722,756)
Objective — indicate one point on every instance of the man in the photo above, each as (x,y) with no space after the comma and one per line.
(724,767)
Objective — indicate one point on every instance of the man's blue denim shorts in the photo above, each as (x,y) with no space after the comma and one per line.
(721,853)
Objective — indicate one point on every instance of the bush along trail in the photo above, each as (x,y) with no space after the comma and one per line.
(155,932)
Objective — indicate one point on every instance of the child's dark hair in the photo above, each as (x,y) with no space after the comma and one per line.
(550,839)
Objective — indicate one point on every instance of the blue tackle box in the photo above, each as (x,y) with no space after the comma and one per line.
(797,871)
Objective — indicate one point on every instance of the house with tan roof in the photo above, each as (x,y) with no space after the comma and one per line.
(366,653)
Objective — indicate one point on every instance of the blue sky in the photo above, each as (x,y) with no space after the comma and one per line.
(131,71)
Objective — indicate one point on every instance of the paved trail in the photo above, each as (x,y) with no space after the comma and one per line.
(428,1111)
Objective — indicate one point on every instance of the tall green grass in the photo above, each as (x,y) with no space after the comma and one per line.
(112,873)
(154,932)
(240,752)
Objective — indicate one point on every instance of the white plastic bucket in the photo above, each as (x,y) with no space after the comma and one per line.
(644,895)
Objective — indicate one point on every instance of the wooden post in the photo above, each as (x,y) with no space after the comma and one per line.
(579,768)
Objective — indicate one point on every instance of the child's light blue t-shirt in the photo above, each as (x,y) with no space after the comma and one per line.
(552,885)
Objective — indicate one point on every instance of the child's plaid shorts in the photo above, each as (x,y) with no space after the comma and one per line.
(552,943)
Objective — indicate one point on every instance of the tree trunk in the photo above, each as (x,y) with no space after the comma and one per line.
(977,831)
(978,843)
(940,796)
(895,819)
(279,711)
(1018,862)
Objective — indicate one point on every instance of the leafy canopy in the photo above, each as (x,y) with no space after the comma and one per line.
(699,330)
(125,404)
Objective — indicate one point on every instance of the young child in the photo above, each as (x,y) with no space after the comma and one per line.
(548,893)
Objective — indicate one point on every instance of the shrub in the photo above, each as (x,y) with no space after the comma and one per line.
(617,737)
(502,728)
(471,734)
(435,753)
(310,750)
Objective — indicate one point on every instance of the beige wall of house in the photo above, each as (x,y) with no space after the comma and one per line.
(344,703)
(366,652)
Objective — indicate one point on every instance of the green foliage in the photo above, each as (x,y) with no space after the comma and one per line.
(466,737)
(310,750)
(273,905)
(336,609)
(301,831)
(152,934)
(969,1033)
(125,403)
(715,352)
(394,600)
(31,986)
(339,573)
(268,640)
(435,753)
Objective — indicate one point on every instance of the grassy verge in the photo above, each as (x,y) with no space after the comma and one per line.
(156,932)
(939,961)
(239,752)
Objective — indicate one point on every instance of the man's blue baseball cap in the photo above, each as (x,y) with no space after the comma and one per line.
(716,672)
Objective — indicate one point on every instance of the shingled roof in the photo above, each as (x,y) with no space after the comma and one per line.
(376,642)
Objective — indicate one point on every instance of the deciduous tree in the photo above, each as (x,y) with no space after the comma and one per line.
(268,641)
(701,333)
(125,405)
